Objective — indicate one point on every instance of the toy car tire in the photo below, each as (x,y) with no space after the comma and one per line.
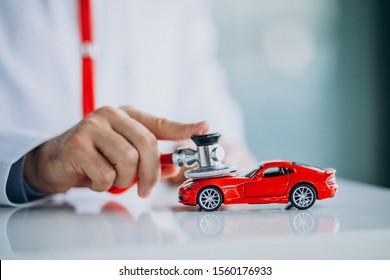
(210,199)
(303,196)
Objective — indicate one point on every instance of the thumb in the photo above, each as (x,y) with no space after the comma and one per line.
(165,129)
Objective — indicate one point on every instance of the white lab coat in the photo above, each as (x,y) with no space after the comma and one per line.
(158,56)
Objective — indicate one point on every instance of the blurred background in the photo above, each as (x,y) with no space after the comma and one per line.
(311,77)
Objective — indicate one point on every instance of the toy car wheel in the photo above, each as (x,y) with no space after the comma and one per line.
(209,199)
(303,196)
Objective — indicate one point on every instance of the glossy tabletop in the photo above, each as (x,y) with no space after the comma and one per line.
(355,224)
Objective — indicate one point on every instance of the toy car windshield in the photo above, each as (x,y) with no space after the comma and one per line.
(248,173)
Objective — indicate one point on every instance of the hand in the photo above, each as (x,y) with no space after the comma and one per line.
(108,147)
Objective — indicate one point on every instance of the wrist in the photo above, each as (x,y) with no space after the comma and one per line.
(30,169)
(32,174)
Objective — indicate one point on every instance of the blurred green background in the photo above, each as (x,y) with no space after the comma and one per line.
(311,77)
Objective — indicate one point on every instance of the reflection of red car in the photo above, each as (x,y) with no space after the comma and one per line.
(255,223)
(268,182)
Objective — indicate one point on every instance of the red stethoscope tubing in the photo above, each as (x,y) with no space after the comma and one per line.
(85,16)
(88,90)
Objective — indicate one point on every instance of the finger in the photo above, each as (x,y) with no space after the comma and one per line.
(165,129)
(141,138)
(100,172)
(120,153)
(145,143)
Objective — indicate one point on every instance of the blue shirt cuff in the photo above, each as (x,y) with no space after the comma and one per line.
(17,188)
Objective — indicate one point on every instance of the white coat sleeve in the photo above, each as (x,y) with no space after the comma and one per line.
(14,144)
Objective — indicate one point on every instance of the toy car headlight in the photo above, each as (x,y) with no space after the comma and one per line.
(189,185)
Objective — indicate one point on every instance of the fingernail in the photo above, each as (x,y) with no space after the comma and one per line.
(144,194)
(204,125)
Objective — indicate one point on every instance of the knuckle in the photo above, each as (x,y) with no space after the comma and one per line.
(105,110)
(108,111)
(148,139)
(103,179)
(77,140)
(90,122)
(162,123)
(107,178)
(130,156)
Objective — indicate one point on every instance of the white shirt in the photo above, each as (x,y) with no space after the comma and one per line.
(158,56)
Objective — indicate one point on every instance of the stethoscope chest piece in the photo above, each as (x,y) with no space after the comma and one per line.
(209,156)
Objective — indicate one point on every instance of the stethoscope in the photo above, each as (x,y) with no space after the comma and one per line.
(209,154)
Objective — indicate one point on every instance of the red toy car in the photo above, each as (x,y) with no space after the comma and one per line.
(268,182)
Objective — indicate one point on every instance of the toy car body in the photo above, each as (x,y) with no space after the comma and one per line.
(268,182)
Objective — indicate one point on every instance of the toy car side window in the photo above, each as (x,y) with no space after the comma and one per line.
(288,170)
(272,172)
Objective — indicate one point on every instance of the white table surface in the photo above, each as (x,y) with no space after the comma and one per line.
(355,224)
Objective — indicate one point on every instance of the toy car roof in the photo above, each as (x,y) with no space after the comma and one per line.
(272,162)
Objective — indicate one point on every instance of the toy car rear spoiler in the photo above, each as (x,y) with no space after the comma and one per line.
(330,170)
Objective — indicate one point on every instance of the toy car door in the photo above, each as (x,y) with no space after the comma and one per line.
(271,181)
